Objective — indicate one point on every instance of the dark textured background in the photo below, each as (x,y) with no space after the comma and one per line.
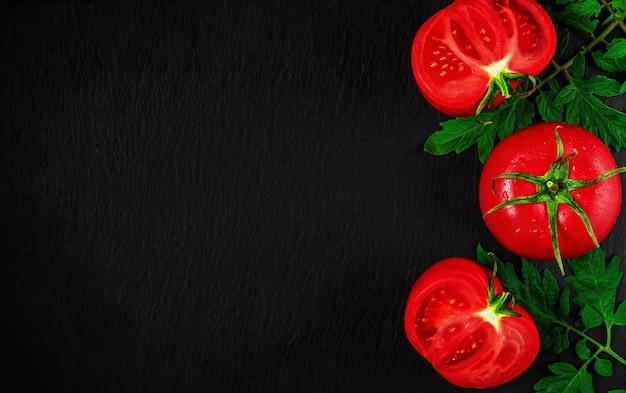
(224,196)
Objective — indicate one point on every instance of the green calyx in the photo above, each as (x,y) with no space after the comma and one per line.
(554,188)
(500,83)
(498,305)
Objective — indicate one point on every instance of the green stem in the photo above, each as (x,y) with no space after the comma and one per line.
(608,7)
(601,347)
(597,40)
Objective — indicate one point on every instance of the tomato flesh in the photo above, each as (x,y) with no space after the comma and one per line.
(524,228)
(449,322)
(460,49)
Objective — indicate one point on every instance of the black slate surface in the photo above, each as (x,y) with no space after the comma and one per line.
(225,196)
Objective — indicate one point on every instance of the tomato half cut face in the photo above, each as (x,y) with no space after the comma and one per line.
(450,322)
(462,49)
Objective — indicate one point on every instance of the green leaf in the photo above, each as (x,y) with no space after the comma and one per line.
(565,96)
(577,69)
(573,20)
(619,318)
(554,339)
(603,62)
(608,19)
(531,278)
(582,350)
(599,85)
(564,307)
(619,5)
(590,317)
(616,50)
(581,15)
(595,282)
(459,134)
(567,379)
(584,108)
(548,110)
(563,38)
(614,59)
(603,367)
(456,135)
(617,391)
(551,292)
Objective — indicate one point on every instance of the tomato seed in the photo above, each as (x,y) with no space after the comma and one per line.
(466,350)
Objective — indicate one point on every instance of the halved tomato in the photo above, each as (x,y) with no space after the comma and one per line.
(473,53)
(458,317)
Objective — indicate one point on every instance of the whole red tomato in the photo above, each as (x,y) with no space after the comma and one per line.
(549,192)
(458,319)
(466,54)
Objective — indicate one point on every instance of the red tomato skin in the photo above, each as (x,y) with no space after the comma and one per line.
(500,357)
(458,88)
(523,229)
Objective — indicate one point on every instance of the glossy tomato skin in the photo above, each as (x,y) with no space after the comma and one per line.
(442,324)
(451,47)
(524,229)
